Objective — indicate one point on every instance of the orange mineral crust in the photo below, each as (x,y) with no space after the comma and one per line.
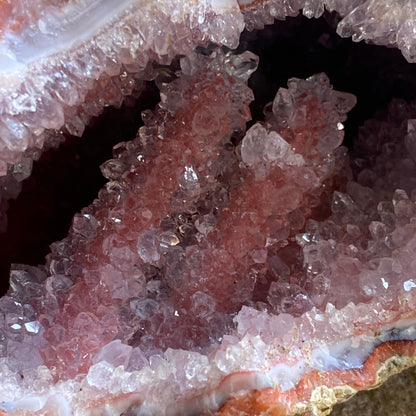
(317,392)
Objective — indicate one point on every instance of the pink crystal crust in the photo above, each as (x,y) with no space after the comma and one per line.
(217,261)
(59,66)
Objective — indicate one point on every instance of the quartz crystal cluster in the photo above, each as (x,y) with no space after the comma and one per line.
(136,240)
(381,22)
(219,269)
(67,312)
(57,68)
(211,255)
(62,62)
(369,235)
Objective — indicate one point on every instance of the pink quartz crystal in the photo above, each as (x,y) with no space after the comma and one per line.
(131,236)
(59,66)
(382,22)
(224,270)
(269,206)
(148,285)
(62,62)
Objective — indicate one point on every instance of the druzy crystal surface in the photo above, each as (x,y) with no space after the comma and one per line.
(220,269)
(381,22)
(153,282)
(62,62)
(211,252)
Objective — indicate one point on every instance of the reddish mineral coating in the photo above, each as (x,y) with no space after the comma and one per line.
(120,232)
(86,323)
(6,12)
(183,145)
(257,210)
(191,139)
(277,403)
(261,212)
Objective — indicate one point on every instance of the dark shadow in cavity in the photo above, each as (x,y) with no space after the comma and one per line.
(65,181)
(300,47)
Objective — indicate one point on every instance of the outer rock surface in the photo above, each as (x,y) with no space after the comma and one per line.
(394,398)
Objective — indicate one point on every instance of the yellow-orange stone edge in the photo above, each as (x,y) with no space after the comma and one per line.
(317,393)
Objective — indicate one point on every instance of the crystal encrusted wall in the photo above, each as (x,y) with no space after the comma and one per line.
(56,190)
(228,257)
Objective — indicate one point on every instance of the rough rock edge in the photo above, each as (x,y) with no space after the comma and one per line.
(324,398)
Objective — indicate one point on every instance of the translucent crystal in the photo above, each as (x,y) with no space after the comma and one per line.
(85,79)
(208,258)
(114,353)
(288,298)
(145,308)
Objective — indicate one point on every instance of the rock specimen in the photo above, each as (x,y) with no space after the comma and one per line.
(213,294)
(57,69)
(219,270)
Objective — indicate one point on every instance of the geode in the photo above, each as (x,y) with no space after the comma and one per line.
(224,270)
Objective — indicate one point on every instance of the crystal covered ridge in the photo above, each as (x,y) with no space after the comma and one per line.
(381,22)
(133,236)
(358,271)
(57,68)
(81,307)
(222,284)
(219,270)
